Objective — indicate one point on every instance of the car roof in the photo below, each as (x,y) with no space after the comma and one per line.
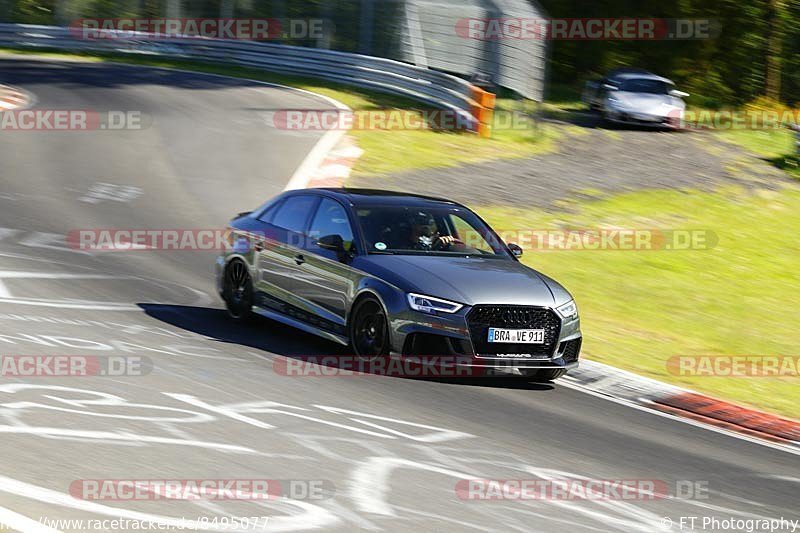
(383,197)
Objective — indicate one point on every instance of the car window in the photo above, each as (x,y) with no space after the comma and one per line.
(430,230)
(294,212)
(331,219)
(645,86)
(469,235)
(266,216)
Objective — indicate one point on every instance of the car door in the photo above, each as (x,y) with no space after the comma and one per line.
(325,282)
(280,252)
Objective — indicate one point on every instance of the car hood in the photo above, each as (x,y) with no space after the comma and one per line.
(467,280)
(648,102)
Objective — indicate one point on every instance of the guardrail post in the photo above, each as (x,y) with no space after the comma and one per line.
(483,110)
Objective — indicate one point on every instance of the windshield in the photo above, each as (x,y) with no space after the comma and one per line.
(645,86)
(427,231)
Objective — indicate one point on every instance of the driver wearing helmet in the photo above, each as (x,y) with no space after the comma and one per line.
(425,235)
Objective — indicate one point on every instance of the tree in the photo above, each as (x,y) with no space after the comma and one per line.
(775,36)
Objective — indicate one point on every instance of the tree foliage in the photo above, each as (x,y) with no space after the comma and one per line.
(729,68)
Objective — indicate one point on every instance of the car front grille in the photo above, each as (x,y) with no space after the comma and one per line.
(482,317)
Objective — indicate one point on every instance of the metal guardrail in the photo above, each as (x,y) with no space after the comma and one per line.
(440,90)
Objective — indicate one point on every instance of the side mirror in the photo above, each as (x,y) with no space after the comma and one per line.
(334,243)
(515,249)
(678,94)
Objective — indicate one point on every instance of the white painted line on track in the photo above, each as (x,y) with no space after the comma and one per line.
(4,290)
(17,274)
(60,304)
(111,436)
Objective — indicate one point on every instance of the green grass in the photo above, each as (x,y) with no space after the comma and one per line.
(639,308)
(386,151)
(776,145)
(769,143)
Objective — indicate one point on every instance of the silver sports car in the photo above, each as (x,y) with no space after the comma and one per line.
(398,275)
(636,97)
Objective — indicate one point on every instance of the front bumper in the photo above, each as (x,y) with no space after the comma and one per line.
(670,120)
(452,338)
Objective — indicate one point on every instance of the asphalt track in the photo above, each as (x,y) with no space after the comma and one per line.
(390,451)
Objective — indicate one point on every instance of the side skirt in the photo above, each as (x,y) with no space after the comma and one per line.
(289,321)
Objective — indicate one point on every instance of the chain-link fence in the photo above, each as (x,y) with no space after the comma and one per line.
(421,32)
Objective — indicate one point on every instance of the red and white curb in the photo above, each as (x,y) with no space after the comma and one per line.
(328,163)
(335,168)
(626,387)
(13,98)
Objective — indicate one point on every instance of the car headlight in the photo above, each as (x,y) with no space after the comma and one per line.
(429,304)
(569,310)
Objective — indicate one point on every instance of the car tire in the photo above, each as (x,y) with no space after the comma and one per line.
(369,329)
(237,291)
(543,376)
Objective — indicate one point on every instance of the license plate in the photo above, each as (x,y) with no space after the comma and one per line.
(517,336)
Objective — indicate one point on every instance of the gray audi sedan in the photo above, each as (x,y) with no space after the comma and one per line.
(398,275)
